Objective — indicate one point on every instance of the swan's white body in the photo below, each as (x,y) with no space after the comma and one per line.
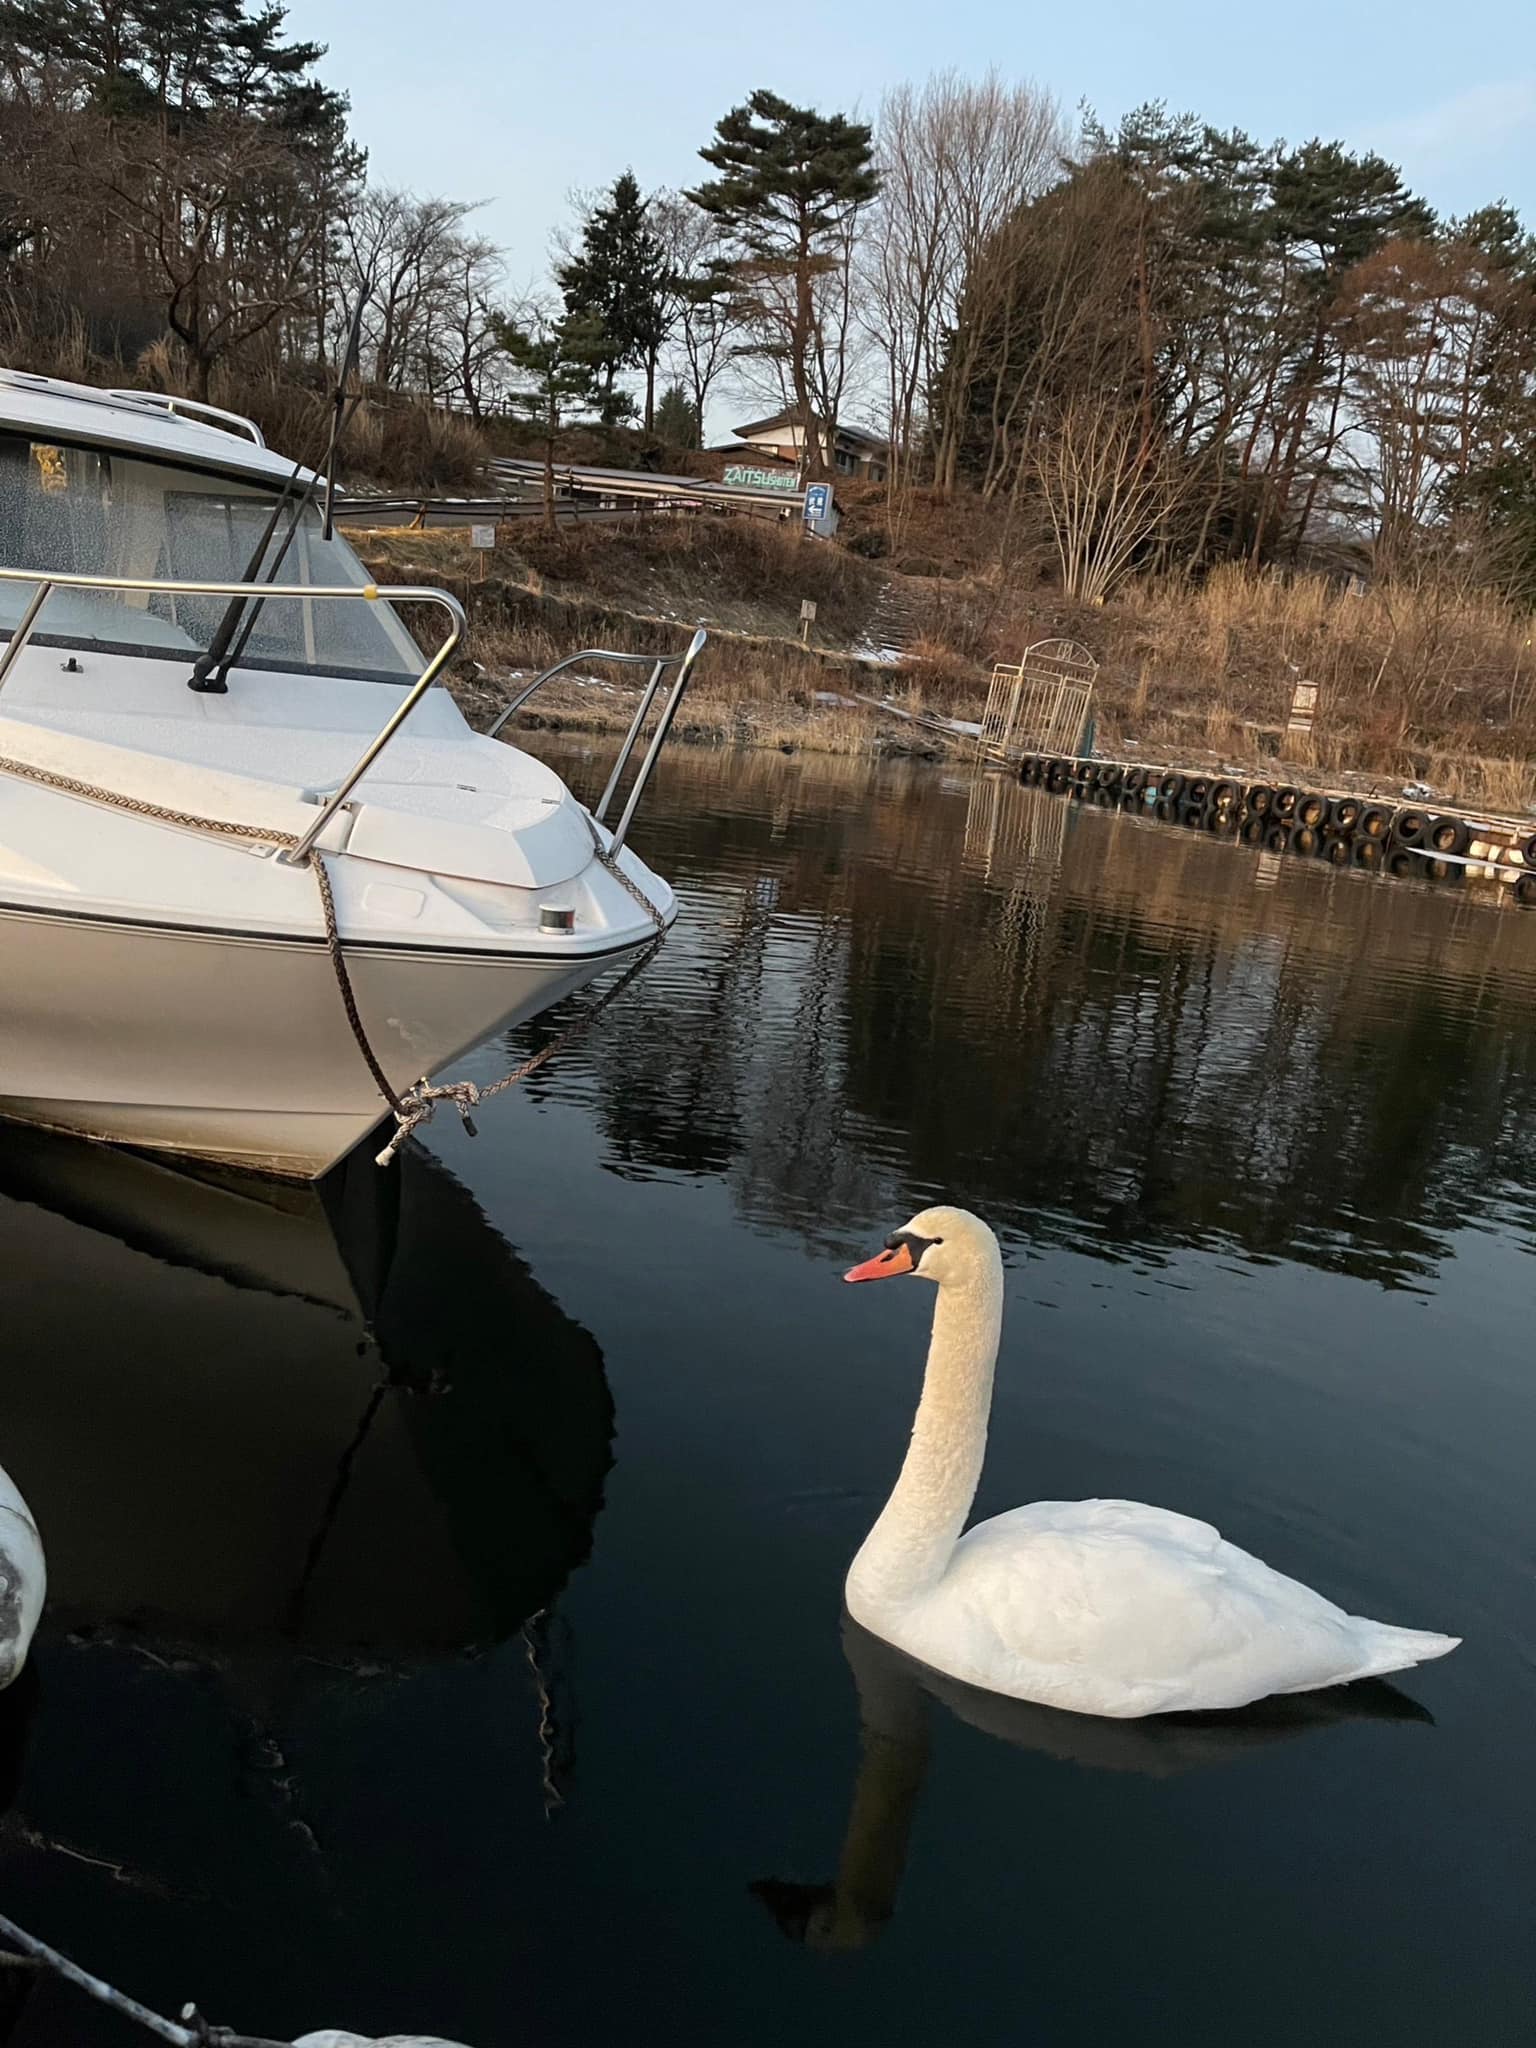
(1098,1606)
(23,1579)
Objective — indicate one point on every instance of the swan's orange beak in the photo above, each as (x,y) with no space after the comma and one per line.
(896,1258)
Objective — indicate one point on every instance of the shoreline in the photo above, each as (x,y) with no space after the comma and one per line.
(864,727)
(1199,677)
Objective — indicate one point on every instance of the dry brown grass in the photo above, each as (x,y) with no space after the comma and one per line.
(61,349)
(1415,680)
(741,574)
(1418,680)
(754,688)
(963,538)
(406,445)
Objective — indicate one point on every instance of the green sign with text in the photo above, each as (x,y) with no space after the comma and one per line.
(763,479)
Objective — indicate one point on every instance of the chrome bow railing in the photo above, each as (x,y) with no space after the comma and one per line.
(335,796)
(365,593)
(658,665)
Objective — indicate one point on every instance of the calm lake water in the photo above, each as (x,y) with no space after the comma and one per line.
(445,1625)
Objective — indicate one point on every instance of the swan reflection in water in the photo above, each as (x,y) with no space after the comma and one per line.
(896,1696)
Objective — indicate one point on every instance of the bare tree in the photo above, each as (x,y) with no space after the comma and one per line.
(1105,491)
(1423,322)
(228,259)
(959,160)
(836,341)
(463,351)
(402,253)
(701,325)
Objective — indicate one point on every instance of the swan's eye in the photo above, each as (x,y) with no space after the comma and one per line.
(914,1244)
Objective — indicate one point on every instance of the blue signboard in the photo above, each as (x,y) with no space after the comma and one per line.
(818,507)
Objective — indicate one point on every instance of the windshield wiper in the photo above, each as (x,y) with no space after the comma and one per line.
(210,672)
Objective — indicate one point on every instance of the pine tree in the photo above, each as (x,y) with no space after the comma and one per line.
(563,362)
(677,419)
(1330,211)
(790,182)
(172,60)
(618,275)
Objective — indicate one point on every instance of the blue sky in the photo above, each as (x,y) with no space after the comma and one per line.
(517,105)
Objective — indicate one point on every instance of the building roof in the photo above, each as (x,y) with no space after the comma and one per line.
(745,451)
(788,418)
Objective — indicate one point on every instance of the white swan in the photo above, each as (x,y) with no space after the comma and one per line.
(23,1579)
(1098,1606)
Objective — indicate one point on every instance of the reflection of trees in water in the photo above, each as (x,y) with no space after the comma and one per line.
(1091,1028)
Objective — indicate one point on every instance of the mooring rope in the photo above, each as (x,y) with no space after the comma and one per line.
(416,1105)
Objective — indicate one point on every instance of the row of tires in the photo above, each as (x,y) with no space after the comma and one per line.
(1345,831)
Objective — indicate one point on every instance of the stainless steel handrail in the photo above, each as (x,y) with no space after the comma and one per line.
(367,593)
(570,661)
(192,409)
(659,665)
(658,739)
(621,758)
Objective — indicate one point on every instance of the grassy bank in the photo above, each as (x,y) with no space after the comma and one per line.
(642,589)
(1418,680)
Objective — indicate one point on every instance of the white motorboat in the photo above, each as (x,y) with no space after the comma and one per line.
(232,800)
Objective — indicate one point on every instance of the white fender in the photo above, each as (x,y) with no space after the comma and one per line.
(23,1579)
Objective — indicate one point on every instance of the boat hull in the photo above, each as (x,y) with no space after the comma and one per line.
(236,1047)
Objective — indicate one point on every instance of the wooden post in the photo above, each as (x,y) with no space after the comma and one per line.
(1303,709)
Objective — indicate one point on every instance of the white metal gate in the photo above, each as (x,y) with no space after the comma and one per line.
(1040,704)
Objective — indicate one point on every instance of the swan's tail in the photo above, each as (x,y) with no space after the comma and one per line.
(1387,1649)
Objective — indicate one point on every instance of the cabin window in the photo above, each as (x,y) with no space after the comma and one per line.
(83,510)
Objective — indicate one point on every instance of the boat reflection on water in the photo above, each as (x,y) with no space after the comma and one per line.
(895,1695)
(312,1466)
(374,1434)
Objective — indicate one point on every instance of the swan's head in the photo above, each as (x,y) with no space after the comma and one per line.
(950,1246)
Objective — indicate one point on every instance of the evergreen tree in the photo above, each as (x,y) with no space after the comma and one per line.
(618,275)
(1331,210)
(563,363)
(173,60)
(677,419)
(201,168)
(790,182)
(1496,484)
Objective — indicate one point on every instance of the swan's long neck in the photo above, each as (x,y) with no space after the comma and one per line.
(907,1550)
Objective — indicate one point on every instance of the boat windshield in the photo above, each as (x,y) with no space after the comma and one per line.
(85,511)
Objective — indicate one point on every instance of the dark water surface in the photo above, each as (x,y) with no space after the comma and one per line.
(444,1628)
